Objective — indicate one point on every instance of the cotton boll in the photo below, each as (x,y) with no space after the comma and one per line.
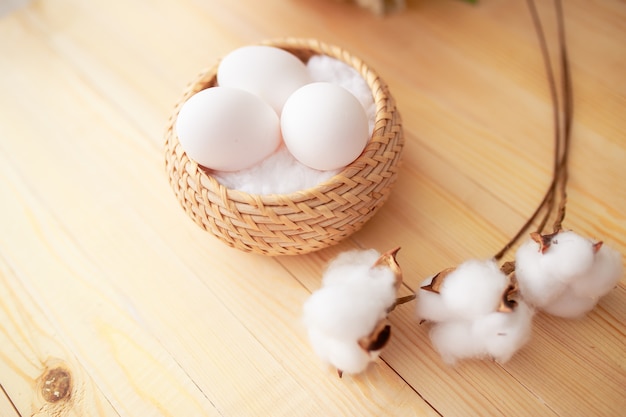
(463,303)
(345,318)
(502,334)
(568,264)
(344,312)
(473,289)
(341,268)
(346,356)
(345,274)
(602,277)
(355,256)
(321,343)
(354,272)
(568,305)
(350,358)
(325,311)
(584,290)
(334,312)
(380,285)
(537,286)
(430,305)
(568,255)
(454,340)
(497,334)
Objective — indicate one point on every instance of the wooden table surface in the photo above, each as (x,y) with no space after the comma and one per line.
(106,281)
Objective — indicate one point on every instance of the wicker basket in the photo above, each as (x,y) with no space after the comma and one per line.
(303,221)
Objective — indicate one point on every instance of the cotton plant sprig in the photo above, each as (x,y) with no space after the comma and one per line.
(476,311)
(346,318)
(563,273)
(560,273)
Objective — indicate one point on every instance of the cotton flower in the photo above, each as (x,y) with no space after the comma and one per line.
(471,290)
(496,335)
(565,274)
(502,334)
(346,318)
(544,268)
(475,313)
(603,275)
(569,305)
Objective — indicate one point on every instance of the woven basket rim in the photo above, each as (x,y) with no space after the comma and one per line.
(315,47)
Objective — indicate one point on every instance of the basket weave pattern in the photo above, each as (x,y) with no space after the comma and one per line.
(307,220)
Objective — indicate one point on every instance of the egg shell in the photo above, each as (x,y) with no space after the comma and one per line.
(269,72)
(227,129)
(324,126)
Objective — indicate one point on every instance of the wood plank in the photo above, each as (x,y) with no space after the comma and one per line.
(159,318)
(98,327)
(33,358)
(7,407)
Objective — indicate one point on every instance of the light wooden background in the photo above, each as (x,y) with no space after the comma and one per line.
(104,276)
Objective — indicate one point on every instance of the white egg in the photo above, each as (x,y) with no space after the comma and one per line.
(227,129)
(324,126)
(269,72)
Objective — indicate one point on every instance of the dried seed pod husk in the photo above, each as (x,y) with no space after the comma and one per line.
(388,260)
(544,241)
(437,281)
(376,340)
(509,297)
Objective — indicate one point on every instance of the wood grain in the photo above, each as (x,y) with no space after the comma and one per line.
(104,278)
(34,359)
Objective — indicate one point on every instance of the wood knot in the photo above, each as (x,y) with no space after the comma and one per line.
(56,385)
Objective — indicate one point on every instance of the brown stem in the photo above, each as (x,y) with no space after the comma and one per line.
(400,301)
(557,188)
(568,116)
(548,195)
